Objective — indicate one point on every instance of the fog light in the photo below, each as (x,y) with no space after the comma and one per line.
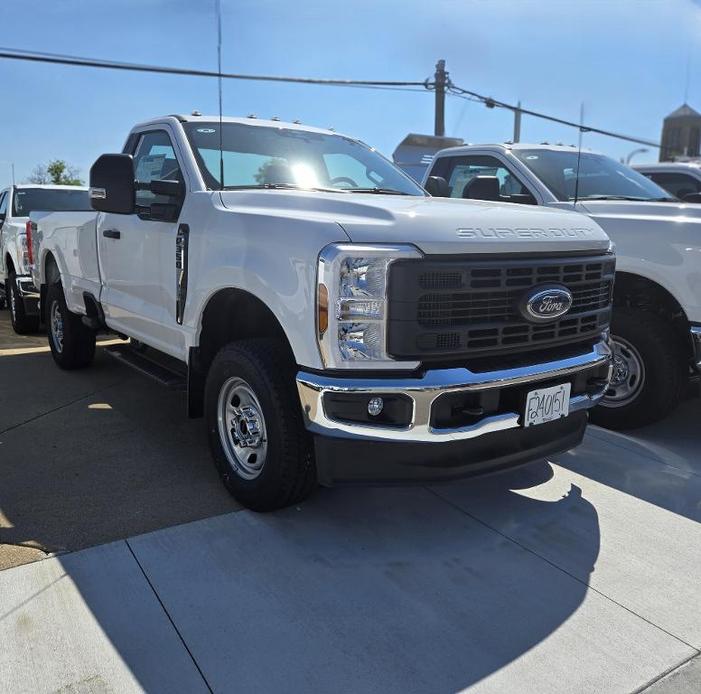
(375,406)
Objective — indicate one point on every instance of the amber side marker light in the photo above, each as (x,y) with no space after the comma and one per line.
(322,304)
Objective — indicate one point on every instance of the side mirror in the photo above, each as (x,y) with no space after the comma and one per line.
(3,216)
(112,186)
(521,199)
(692,197)
(437,186)
(173,189)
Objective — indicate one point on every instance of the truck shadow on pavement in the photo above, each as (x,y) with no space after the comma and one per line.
(660,464)
(384,589)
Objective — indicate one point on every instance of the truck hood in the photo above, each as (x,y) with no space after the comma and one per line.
(662,211)
(434,225)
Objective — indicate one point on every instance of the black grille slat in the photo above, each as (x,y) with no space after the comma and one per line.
(472,306)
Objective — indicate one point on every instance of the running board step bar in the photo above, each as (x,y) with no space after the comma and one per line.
(152,364)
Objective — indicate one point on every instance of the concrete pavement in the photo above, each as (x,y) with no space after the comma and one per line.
(577,574)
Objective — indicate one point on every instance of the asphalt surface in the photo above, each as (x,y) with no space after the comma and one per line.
(576,574)
(91,456)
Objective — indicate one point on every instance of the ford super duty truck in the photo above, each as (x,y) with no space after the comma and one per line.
(656,326)
(16,204)
(331,321)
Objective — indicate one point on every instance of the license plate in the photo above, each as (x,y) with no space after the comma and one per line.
(546,404)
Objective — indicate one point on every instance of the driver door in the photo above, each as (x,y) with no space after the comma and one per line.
(131,248)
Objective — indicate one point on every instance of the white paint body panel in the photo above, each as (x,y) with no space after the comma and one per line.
(267,242)
(658,241)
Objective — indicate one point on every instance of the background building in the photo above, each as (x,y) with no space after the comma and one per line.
(681,134)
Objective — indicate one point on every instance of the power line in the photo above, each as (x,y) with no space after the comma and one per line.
(394,85)
(494,103)
(58,59)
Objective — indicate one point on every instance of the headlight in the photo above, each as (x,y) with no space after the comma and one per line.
(352,305)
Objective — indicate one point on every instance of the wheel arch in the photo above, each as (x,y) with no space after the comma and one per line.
(637,291)
(230,314)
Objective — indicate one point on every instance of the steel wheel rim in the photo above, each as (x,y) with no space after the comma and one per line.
(56,326)
(242,430)
(13,299)
(628,375)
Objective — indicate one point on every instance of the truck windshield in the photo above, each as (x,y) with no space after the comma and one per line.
(256,156)
(26,200)
(600,177)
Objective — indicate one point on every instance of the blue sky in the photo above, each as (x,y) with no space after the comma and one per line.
(626,60)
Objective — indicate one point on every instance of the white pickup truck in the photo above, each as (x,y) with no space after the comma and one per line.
(682,179)
(16,204)
(656,327)
(332,321)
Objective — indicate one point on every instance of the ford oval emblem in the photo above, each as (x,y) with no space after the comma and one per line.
(546,303)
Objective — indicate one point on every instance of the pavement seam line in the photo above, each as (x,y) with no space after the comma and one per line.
(644,454)
(170,619)
(59,407)
(666,673)
(559,568)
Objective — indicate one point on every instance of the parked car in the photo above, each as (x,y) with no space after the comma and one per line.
(16,204)
(680,179)
(656,328)
(331,321)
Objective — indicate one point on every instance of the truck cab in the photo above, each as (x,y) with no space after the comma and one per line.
(331,321)
(680,179)
(656,328)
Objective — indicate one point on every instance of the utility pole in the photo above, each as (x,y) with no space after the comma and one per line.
(517,122)
(441,79)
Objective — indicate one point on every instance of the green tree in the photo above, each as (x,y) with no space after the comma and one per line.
(57,172)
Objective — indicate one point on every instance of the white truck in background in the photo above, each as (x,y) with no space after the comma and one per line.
(656,327)
(16,204)
(332,321)
(682,179)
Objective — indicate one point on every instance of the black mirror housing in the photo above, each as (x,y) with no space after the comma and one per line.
(437,187)
(172,189)
(112,187)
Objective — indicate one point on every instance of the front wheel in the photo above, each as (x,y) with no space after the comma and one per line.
(72,343)
(254,423)
(650,371)
(22,324)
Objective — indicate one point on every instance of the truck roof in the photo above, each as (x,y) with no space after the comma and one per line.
(668,166)
(249,120)
(516,146)
(48,186)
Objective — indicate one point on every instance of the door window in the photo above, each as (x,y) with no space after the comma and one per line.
(155,160)
(3,206)
(678,184)
(459,171)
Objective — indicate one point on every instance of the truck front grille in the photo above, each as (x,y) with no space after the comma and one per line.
(440,308)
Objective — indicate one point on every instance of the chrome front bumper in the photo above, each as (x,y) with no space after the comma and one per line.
(695,332)
(424,391)
(26,288)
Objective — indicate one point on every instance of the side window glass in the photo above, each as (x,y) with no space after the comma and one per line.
(463,169)
(3,205)
(678,184)
(154,160)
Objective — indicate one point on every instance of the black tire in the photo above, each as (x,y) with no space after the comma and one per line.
(74,348)
(652,341)
(287,472)
(22,324)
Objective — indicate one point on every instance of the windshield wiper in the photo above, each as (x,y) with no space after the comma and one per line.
(281,186)
(377,191)
(614,197)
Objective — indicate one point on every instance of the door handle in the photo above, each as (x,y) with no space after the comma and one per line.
(112,234)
